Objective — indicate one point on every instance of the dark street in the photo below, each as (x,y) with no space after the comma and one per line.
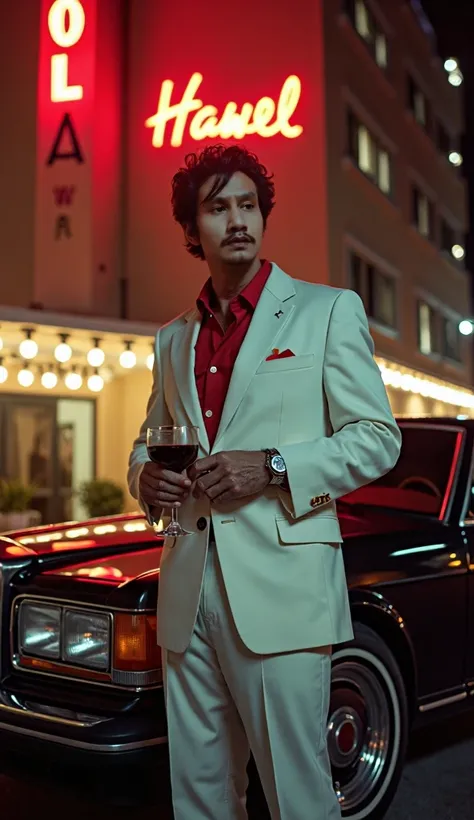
(437,783)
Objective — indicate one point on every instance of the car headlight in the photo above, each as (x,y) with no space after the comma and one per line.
(40,630)
(86,639)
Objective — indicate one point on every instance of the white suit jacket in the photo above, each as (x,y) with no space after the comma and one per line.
(326,410)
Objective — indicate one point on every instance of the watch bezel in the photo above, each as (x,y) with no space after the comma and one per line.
(277,457)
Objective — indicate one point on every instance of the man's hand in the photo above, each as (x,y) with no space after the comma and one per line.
(230,475)
(162,488)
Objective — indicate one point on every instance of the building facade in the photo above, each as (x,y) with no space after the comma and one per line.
(397,204)
(346,102)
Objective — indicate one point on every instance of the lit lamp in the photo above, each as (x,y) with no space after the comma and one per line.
(458,252)
(455,158)
(49,378)
(96,356)
(127,357)
(450,64)
(466,327)
(73,379)
(95,382)
(28,347)
(3,371)
(26,376)
(63,351)
(455,78)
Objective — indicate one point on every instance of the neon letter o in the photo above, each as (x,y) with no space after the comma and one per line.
(57,22)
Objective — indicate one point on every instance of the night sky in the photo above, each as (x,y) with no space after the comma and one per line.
(453,22)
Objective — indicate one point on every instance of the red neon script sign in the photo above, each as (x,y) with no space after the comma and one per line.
(66,23)
(266,118)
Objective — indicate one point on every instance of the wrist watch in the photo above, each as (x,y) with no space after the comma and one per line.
(275,464)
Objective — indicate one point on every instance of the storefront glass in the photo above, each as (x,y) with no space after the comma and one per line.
(50,444)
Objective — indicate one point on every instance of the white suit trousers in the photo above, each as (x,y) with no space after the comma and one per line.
(223,701)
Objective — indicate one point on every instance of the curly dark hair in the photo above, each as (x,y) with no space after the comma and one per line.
(223,162)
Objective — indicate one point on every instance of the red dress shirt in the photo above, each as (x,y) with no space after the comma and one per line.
(216,350)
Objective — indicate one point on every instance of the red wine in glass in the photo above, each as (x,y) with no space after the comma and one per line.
(175,457)
(174,448)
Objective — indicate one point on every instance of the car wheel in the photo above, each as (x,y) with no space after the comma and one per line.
(368,725)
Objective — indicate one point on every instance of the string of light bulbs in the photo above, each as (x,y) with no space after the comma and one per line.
(49,378)
(28,350)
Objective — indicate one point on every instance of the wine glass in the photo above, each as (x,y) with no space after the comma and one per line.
(174,448)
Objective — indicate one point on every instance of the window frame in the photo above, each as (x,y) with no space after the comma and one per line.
(355,128)
(415,93)
(375,31)
(417,196)
(435,342)
(367,273)
(439,321)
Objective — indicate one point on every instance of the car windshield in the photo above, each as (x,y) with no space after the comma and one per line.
(422,479)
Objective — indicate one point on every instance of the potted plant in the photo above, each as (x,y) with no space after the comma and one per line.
(15,500)
(101,497)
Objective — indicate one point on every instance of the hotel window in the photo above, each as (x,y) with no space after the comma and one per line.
(371,158)
(419,105)
(422,213)
(428,337)
(377,290)
(451,341)
(368,30)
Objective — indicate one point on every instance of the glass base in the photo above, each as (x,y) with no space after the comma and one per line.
(174,530)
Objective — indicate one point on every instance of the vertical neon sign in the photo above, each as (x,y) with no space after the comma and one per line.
(65,139)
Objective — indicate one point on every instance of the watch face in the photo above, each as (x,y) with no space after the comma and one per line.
(278,464)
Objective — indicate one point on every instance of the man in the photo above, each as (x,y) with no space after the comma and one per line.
(279,376)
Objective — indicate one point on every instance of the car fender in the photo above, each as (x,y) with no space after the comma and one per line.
(375,611)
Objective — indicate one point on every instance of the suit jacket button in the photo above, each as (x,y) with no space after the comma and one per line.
(201,524)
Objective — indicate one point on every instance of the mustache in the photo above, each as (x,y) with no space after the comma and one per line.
(238,238)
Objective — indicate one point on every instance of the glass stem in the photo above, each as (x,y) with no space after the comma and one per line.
(174,515)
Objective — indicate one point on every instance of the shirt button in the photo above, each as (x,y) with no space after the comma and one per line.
(213,369)
(208,414)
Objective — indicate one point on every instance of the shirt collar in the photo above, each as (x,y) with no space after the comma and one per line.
(250,295)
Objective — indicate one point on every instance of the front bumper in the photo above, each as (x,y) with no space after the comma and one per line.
(30,729)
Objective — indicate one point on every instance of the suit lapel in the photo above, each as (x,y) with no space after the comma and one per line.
(273,312)
(182,360)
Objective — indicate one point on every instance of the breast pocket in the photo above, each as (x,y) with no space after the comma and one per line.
(317,529)
(287,363)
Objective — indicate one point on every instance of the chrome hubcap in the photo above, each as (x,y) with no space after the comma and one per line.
(345,731)
(359,732)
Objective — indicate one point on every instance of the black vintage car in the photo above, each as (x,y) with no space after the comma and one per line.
(81,673)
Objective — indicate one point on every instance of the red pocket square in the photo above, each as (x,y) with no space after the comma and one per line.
(277,355)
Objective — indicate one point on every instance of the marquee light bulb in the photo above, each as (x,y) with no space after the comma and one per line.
(25,377)
(150,361)
(127,357)
(95,383)
(96,356)
(63,351)
(49,379)
(73,380)
(28,347)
